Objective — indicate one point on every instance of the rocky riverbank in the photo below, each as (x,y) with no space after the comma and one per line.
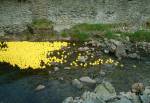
(105,93)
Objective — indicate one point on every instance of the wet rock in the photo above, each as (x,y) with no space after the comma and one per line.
(105,91)
(68,100)
(145,98)
(56,69)
(40,87)
(90,97)
(102,73)
(134,56)
(147,90)
(77,83)
(67,68)
(122,100)
(87,80)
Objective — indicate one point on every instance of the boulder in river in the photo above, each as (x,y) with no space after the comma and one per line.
(77,83)
(40,87)
(87,80)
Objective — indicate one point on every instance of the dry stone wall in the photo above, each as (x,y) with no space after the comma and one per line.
(65,13)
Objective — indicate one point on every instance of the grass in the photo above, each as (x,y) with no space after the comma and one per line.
(82,36)
(141,35)
(42,23)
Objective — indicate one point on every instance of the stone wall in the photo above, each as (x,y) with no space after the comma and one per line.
(69,12)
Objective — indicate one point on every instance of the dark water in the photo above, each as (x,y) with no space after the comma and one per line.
(19,87)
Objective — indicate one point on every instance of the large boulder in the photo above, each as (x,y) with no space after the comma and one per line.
(105,91)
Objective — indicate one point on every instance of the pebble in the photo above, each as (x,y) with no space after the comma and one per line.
(56,69)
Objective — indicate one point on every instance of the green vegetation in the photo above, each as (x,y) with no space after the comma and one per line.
(82,36)
(42,23)
(141,35)
(86,31)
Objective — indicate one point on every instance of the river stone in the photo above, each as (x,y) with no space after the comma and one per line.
(87,80)
(40,87)
(145,98)
(105,91)
(120,51)
(90,97)
(134,56)
(68,100)
(122,100)
(147,90)
(77,83)
(67,68)
(56,69)
(83,58)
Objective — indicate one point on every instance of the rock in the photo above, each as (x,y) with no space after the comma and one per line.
(56,69)
(120,51)
(78,100)
(87,80)
(67,68)
(90,97)
(147,90)
(102,73)
(145,98)
(135,98)
(134,56)
(2,33)
(122,100)
(83,49)
(49,72)
(68,100)
(83,58)
(106,51)
(77,83)
(105,91)
(40,87)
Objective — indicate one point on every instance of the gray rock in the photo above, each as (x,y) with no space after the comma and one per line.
(147,90)
(102,73)
(83,48)
(56,69)
(122,100)
(39,87)
(134,56)
(120,51)
(67,68)
(68,100)
(2,33)
(77,83)
(90,97)
(105,91)
(83,58)
(106,51)
(87,80)
(145,98)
